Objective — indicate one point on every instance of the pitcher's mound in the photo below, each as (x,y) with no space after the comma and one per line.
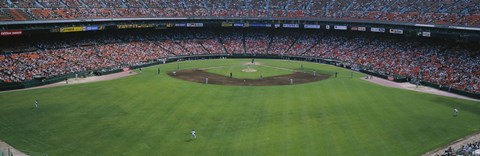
(249,70)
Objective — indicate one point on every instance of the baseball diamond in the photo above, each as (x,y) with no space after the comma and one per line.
(240,77)
(148,112)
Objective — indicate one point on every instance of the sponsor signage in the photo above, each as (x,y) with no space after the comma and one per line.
(93,28)
(193,25)
(130,26)
(396,31)
(391,78)
(11,33)
(238,25)
(426,34)
(224,24)
(377,29)
(169,25)
(180,24)
(291,26)
(72,29)
(277,25)
(311,26)
(327,27)
(339,27)
(259,25)
(358,28)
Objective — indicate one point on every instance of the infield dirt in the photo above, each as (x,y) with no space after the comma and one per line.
(199,76)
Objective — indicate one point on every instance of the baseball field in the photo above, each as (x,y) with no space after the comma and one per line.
(153,114)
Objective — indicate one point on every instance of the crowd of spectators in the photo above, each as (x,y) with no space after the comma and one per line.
(233,42)
(453,65)
(306,41)
(281,41)
(257,42)
(454,12)
(470,149)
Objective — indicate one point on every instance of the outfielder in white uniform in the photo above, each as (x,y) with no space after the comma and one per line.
(35,104)
(194,134)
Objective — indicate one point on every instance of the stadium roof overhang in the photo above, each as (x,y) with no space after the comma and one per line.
(294,20)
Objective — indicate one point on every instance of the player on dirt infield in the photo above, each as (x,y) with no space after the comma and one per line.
(194,135)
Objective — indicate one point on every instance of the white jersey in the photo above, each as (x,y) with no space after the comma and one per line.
(193,132)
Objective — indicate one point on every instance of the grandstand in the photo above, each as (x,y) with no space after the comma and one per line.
(455,12)
(436,61)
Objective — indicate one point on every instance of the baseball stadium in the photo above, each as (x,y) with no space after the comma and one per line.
(244,77)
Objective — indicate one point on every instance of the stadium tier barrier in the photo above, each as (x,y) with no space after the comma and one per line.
(396,78)
(452,90)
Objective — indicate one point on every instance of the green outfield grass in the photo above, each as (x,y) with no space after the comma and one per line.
(150,114)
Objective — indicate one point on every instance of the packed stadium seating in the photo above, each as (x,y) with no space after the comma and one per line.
(453,12)
(467,150)
(449,64)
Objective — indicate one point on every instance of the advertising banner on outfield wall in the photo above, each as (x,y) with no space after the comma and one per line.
(311,26)
(277,25)
(11,33)
(340,27)
(396,31)
(377,29)
(327,27)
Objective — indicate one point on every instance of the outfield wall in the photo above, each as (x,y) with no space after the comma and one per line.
(396,78)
